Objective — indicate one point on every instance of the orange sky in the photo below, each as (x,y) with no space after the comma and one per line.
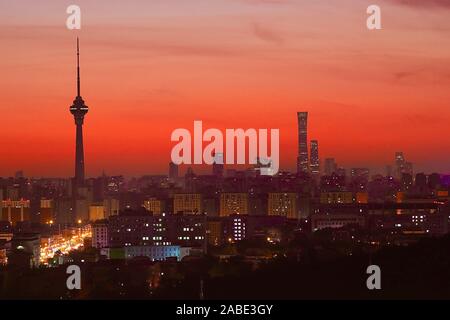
(151,67)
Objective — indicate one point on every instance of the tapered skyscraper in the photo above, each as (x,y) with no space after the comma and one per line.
(302,158)
(79,110)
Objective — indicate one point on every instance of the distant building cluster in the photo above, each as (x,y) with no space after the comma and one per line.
(175,216)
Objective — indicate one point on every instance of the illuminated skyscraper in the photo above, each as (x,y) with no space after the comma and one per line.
(79,110)
(302,158)
(314,160)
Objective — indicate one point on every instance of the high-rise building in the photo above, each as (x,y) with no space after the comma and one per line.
(233,203)
(100,234)
(79,110)
(96,212)
(360,173)
(341,172)
(19,174)
(189,203)
(46,212)
(139,228)
(314,160)
(15,211)
(1,204)
(214,232)
(330,166)
(399,163)
(434,181)
(112,206)
(218,165)
(402,166)
(409,168)
(421,180)
(336,197)
(173,171)
(283,204)
(302,158)
(388,171)
(406,181)
(154,205)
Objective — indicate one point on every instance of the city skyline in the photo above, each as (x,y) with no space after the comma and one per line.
(151,83)
(229,144)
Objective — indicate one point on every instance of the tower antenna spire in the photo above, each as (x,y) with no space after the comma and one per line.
(78,67)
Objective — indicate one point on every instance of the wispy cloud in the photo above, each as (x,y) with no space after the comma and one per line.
(424,3)
(267,34)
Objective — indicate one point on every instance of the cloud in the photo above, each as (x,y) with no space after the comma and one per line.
(266,34)
(424,3)
(404,74)
(424,75)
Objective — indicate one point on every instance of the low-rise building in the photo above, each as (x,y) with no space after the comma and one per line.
(100,238)
(154,253)
(323,221)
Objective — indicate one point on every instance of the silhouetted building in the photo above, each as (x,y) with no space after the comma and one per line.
(112,206)
(233,203)
(214,231)
(421,180)
(15,211)
(324,221)
(25,250)
(330,166)
(154,206)
(336,197)
(406,181)
(46,211)
(434,181)
(315,162)
(173,171)
(358,173)
(190,180)
(218,166)
(189,203)
(389,171)
(97,212)
(100,237)
(140,228)
(240,227)
(283,204)
(402,166)
(19,174)
(302,158)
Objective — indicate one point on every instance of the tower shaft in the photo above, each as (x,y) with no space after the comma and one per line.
(79,156)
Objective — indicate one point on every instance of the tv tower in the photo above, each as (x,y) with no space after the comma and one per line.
(79,110)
